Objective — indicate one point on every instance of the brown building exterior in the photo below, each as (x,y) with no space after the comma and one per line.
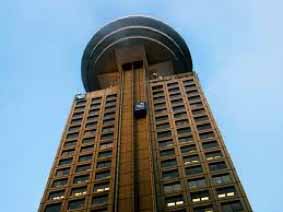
(143,137)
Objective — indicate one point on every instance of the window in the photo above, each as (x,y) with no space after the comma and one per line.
(174,90)
(79,191)
(221,179)
(91,125)
(197,183)
(180,115)
(185,139)
(188,82)
(102,175)
(56,195)
(83,168)
(109,115)
(207,135)
(217,166)
(174,201)
(168,152)
(59,183)
(103,164)
(81,179)
(192,92)
(200,196)
(178,108)
(157,87)
(177,101)
(163,134)
(85,158)
(213,155)
(53,208)
(108,136)
(101,187)
(168,163)
(92,118)
(194,98)
(62,172)
(226,192)
(201,118)
(165,143)
(107,129)
(87,148)
(161,118)
(193,170)
(109,122)
(67,153)
(175,96)
(159,105)
(210,145)
(105,154)
(74,128)
(90,133)
(65,161)
(172,84)
(196,105)
(170,174)
(76,204)
(93,112)
(204,127)
(188,160)
(70,144)
(198,112)
(185,130)
(208,208)
(163,126)
(99,200)
(88,140)
(78,115)
(182,123)
(72,136)
(188,149)
(159,98)
(106,145)
(172,187)
(156,93)
(235,206)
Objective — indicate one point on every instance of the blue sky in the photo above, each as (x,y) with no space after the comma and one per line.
(237,51)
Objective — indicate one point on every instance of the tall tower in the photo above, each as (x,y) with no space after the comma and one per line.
(142,138)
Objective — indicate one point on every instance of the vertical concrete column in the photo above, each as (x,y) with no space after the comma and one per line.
(126,194)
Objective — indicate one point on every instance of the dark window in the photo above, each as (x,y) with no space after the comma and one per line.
(188,160)
(157,93)
(210,145)
(92,118)
(72,136)
(182,123)
(235,206)
(180,115)
(192,92)
(108,129)
(200,196)
(173,90)
(194,98)
(79,191)
(197,183)
(81,179)
(62,172)
(193,170)
(163,134)
(53,208)
(169,163)
(67,153)
(185,139)
(78,115)
(90,133)
(59,183)
(179,108)
(76,204)
(107,136)
(168,152)
(217,166)
(159,98)
(172,84)
(208,135)
(105,154)
(175,96)
(101,187)
(174,201)
(159,105)
(87,148)
(103,164)
(56,195)
(102,175)
(65,161)
(157,87)
(161,118)
(204,127)
(196,105)
(176,101)
(83,168)
(109,122)
(74,128)
(163,126)
(184,131)
(91,125)
(106,145)
(99,200)
(85,158)
(170,174)
(213,155)
(221,179)
(172,187)
(165,143)
(207,208)
(70,144)
(198,112)
(88,140)
(226,192)
(110,115)
(93,112)
(188,82)
(188,149)
(201,118)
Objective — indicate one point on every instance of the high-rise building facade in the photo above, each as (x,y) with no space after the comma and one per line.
(142,137)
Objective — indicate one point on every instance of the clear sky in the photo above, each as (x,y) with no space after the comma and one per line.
(236,48)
